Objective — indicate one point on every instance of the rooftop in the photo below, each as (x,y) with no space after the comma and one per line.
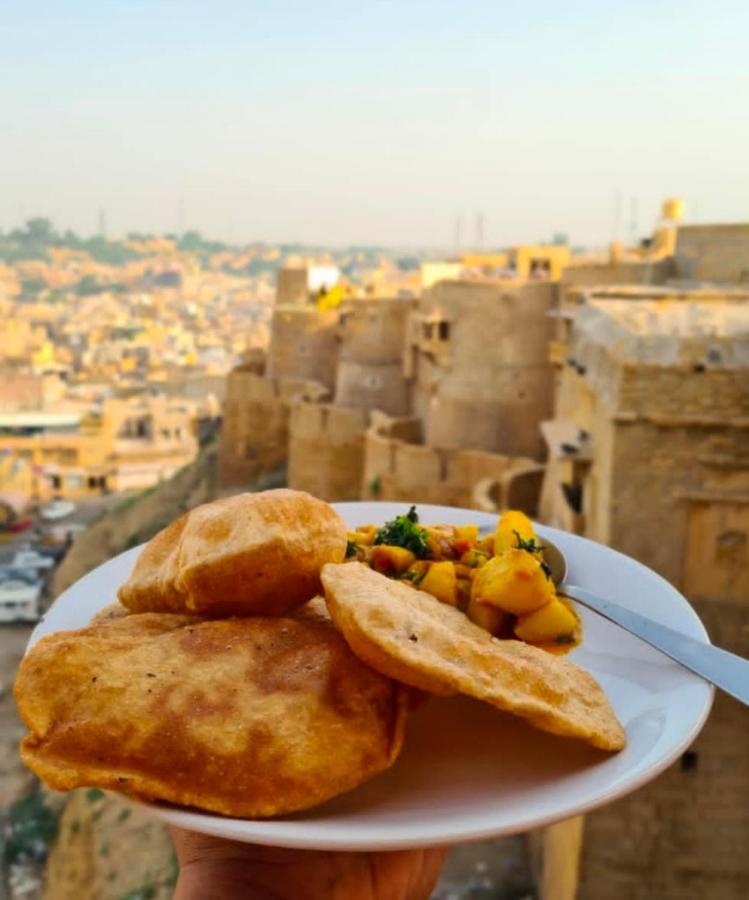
(39,420)
(667,332)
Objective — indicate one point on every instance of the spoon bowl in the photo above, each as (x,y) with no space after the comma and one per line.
(723,669)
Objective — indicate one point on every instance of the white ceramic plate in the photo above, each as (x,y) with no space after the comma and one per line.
(468,771)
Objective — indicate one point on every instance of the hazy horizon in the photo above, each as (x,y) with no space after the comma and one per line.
(327,125)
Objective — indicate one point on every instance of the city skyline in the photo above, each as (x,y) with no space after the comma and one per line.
(338,126)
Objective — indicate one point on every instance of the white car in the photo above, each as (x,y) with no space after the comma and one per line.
(57,509)
(30,559)
(19,598)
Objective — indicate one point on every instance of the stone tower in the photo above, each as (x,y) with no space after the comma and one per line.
(372,337)
(479,360)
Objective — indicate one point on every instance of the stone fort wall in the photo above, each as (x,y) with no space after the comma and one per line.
(304,345)
(370,365)
(254,434)
(326,449)
(481,365)
(395,468)
(713,253)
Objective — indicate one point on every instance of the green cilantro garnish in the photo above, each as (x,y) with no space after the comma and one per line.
(532,546)
(414,577)
(352,549)
(403,531)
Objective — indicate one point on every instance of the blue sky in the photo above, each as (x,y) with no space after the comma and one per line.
(373,122)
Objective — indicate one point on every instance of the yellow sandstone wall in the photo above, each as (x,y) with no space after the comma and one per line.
(618,272)
(370,364)
(481,365)
(254,434)
(304,345)
(326,450)
(670,460)
(713,253)
(395,469)
(291,285)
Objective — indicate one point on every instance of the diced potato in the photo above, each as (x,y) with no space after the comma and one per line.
(468,533)
(485,616)
(441,582)
(364,535)
(509,523)
(549,623)
(474,558)
(514,582)
(487,544)
(387,559)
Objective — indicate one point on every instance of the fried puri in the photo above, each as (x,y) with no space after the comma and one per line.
(409,636)
(244,717)
(249,554)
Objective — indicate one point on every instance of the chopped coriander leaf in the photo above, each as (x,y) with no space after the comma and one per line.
(531,545)
(414,577)
(404,532)
(352,549)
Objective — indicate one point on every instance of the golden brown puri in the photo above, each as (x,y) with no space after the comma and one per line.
(316,610)
(408,635)
(246,717)
(250,554)
(109,613)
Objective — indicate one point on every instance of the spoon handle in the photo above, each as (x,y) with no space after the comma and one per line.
(725,670)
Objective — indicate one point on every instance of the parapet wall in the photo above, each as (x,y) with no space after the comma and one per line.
(619,272)
(397,470)
(326,449)
(713,253)
(254,434)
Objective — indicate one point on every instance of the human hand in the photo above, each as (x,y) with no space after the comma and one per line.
(215,868)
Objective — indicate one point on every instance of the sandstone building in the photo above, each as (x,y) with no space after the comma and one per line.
(649,453)
(431,399)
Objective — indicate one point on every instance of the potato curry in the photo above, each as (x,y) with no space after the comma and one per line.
(499,580)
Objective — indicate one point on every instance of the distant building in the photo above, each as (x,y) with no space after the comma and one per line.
(125,445)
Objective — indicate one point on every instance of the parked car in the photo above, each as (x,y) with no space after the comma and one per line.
(57,509)
(20,596)
(26,558)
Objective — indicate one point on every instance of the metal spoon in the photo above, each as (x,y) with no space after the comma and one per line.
(725,670)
